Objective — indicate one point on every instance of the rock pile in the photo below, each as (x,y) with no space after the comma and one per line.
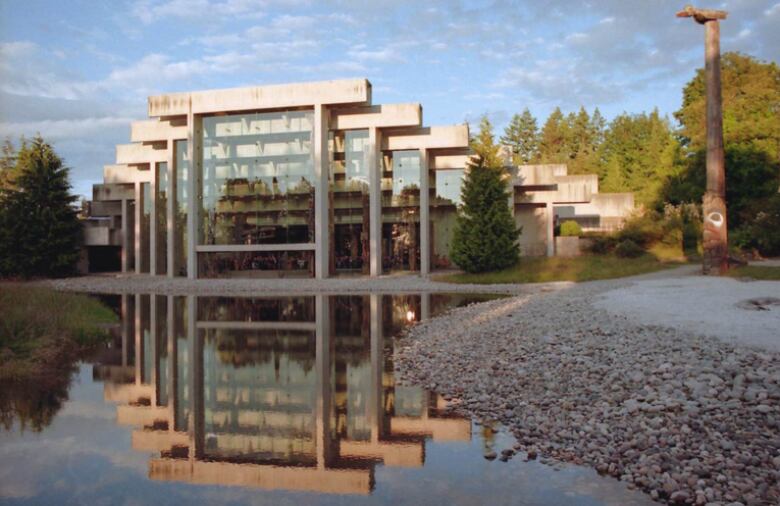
(687,419)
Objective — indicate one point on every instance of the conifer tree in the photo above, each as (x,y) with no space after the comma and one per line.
(522,135)
(552,142)
(40,234)
(485,236)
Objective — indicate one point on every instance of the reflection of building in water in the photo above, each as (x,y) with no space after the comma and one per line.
(279,393)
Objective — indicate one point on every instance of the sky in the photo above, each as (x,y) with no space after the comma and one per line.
(78,72)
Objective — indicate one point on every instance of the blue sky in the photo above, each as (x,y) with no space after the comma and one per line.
(78,71)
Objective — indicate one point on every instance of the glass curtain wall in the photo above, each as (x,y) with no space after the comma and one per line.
(349,202)
(180,209)
(446,186)
(161,215)
(401,211)
(257,188)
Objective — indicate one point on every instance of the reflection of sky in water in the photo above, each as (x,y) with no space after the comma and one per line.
(84,457)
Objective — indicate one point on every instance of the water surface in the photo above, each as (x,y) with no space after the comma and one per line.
(269,400)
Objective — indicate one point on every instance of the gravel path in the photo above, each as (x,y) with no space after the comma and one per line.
(686,418)
(140,283)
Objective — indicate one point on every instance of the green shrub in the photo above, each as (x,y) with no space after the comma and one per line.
(762,228)
(570,228)
(643,230)
(628,249)
(601,244)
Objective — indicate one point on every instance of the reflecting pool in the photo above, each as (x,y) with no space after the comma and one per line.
(269,400)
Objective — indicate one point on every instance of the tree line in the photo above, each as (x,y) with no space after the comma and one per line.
(664,164)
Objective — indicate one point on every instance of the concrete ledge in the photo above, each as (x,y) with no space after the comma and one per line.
(349,91)
(436,137)
(379,116)
(158,130)
(139,153)
(114,191)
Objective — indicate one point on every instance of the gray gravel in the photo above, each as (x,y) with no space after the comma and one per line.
(141,283)
(688,419)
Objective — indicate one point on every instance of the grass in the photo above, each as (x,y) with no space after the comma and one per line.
(582,268)
(760,272)
(39,326)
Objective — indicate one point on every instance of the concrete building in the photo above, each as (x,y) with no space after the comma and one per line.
(306,179)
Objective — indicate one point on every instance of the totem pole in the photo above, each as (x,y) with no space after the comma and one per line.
(716,253)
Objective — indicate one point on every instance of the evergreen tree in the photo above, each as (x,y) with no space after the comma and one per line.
(522,135)
(552,142)
(40,234)
(485,236)
(484,145)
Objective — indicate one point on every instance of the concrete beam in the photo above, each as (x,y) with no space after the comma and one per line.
(124,174)
(156,130)
(436,137)
(377,116)
(443,162)
(348,91)
(113,191)
(138,154)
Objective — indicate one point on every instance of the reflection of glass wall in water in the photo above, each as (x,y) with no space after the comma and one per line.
(182,366)
(180,209)
(446,185)
(162,218)
(258,178)
(401,211)
(349,201)
(259,379)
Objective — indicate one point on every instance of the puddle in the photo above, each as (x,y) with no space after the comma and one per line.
(212,399)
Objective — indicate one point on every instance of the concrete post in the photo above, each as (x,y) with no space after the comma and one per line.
(173,366)
(170,209)
(550,222)
(139,209)
(377,353)
(139,342)
(126,251)
(324,387)
(321,188)
(425,306)
(194,153)
(196,421)
(425,220)
(155,372)
(153,220)
(375,166)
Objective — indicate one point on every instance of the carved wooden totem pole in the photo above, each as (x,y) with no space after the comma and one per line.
(716,253)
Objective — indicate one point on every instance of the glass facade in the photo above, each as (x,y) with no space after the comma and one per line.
(445,191)
(258,179)
(349,202)
(161,215)
(180,210)
(401,211)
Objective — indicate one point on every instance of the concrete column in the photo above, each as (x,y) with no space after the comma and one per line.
(425,220)
(323,363)
(196,420)
(139,209)
(125,327)
(155,372)
(126,235)
(321,188)
(376,415)
(139,342)
(173,371)
(171,208)
(194,153)
(550,222)
(375,163)
(425,306)
(153,220)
